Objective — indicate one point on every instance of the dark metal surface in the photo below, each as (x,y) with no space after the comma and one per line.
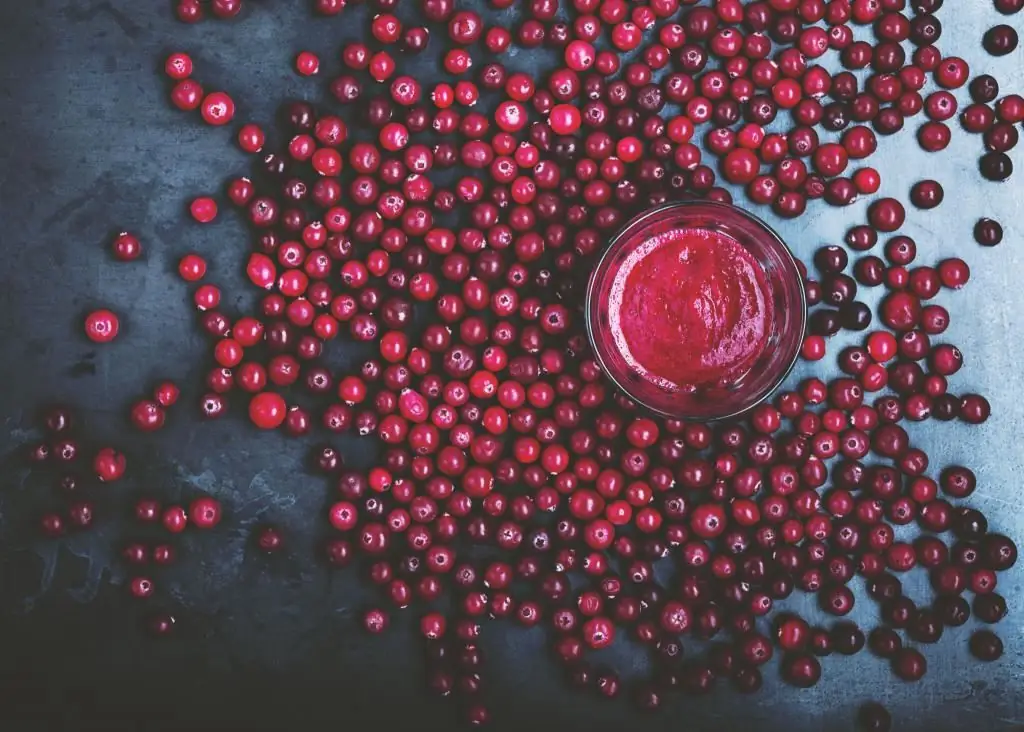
(89,145)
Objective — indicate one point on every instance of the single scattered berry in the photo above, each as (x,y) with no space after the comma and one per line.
(148,416)
(307,63)
(102,326)
(127,247)
(269,539)
(178,66)
(192,268)
(203,209)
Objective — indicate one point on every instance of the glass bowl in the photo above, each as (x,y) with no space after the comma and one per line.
(785,332)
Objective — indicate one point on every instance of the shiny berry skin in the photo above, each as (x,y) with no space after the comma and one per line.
(148,416)
(988,232)
(307,63)
(203,209)
(909,665)
(886,214)
(218,109)
(269,539)
(80,514)
(926,194)
(1000,40)
(102,326)
(163,554)
(251,138)
(187,95)
(52,525)
(166,394)
(375,621)
(109,465)
(433,626)
(192,268)
(58,420)
(141,587)
(801,670)
(178,66)
(189,11)
(564,119)
(226,8)
(996,166)
(598,632)
(267,410)
(136,553)
(147,511)
(174,519)
(873,717)
(205,512)
(161,625)
(986,646)
(127,247)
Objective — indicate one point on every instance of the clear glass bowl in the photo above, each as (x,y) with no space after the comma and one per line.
(786,333)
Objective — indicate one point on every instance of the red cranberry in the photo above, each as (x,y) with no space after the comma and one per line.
(801,670)
(909,665)
(988,232)
(161,625)
(986,646)
(269,539)
(873,717)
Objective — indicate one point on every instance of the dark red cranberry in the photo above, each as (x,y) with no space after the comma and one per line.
(801,670)
(269,539)
(873,717)
(996,166)
(988,232)
(1000,40)
(986,646)
(909,665)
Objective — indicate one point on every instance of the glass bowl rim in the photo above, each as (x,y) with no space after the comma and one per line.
(615,242)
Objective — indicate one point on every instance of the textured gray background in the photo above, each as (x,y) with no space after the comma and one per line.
(89,145)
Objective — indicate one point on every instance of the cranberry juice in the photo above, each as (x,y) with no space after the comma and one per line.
(696,310)
(690,307)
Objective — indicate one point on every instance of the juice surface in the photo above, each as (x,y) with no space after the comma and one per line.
(690,307)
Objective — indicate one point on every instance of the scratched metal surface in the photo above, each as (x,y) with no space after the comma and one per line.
(88,144)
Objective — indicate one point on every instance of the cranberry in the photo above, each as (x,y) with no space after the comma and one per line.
(148,416)
(873,717)
(80,514)
(163,554)
(205,512)
(141,587)
(174,519)
(102,326)
(161,624)
(109,465)
(909,665)
(926,194)
(267,410)
(1000,40)
(988,232)
(886,214)
(996,166)
(986,646)
(801,670)
(269,539)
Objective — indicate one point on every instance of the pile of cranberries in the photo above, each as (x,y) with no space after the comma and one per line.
(447,231)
